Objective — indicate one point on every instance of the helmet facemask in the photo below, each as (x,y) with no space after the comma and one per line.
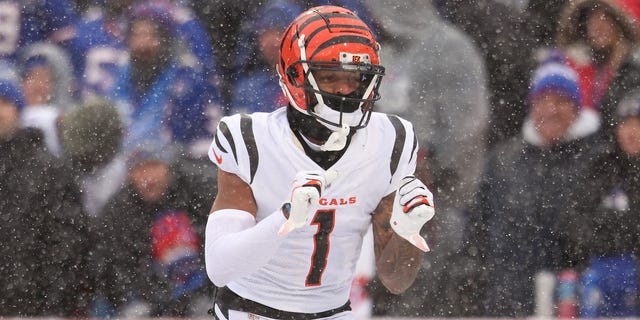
(337,110)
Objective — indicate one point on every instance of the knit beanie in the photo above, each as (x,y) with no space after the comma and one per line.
(151,149)
(92,131)
(629,106)
(556,76)
(11,92)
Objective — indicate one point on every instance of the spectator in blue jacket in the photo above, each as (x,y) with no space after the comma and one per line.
(161,92)
(98,45)
(24,22)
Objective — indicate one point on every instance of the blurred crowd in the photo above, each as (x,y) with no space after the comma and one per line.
(527,115)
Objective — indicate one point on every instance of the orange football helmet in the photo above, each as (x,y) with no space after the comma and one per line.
(330,38)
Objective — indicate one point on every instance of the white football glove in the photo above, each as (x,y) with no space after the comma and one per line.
(412,208)
(308,187)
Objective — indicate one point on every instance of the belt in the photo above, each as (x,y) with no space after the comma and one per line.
(228,300)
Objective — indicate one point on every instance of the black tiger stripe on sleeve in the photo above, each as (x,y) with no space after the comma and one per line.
(218,144)
(246,128)
(227,135)
(415,146)
(398,145)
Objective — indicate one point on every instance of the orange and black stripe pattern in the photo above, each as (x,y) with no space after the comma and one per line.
(324,28)
(327,31)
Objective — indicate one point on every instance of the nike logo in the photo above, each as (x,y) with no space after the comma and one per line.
(218,158)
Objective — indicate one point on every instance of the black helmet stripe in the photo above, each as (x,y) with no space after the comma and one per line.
(342,26)
(327,16)
(322,17)
(342,39)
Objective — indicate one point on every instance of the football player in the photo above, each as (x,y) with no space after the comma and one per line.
(300,186)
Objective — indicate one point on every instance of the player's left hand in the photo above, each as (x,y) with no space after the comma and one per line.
(412,208)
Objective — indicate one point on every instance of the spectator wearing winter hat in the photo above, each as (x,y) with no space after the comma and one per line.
(161,92)
(599,38)
(91,138)
(43,231)
(148,255)
(556,111)
(618,173)
(611,234)
(628,124)
(522,219)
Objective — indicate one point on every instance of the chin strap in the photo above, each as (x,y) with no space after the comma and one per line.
(337,140)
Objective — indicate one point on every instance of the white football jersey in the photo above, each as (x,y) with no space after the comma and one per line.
(313,269)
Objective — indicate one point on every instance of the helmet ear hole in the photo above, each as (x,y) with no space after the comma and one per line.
(292,74)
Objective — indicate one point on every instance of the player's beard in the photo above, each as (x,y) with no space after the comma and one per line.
(145,68)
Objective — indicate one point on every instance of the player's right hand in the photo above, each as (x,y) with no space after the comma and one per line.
(308,187)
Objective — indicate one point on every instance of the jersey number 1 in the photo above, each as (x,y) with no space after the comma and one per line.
(325,220)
